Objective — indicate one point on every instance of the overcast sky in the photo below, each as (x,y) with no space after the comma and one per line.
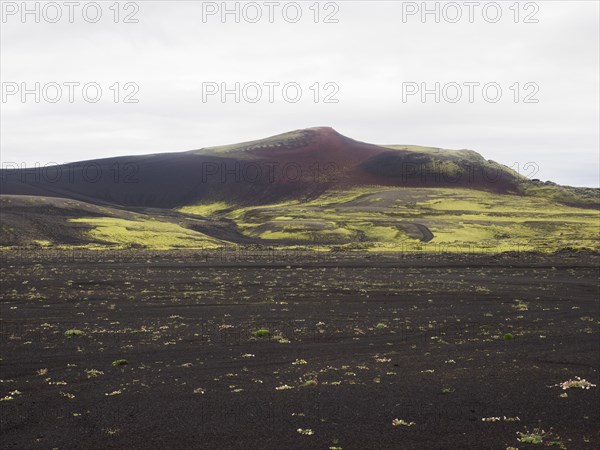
(365,55)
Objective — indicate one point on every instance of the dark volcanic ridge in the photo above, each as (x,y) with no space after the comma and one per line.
(299,164)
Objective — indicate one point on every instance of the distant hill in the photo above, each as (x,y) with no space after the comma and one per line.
(305,187)
(298,164)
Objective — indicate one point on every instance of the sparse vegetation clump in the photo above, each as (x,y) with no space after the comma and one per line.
(93,373)
(116,392)
(539,436)
(305,431)
(577,383)
(119,362)
(74,332)
(402,423)
(263,332)
(310,383)
(520,305)
(281,340)
(205,209)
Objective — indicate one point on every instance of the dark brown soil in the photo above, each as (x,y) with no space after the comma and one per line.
(413,338)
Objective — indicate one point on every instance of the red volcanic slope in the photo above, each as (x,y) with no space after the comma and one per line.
(322,154)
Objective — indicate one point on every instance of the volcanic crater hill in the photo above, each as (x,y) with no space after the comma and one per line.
(306,187)
(298,164)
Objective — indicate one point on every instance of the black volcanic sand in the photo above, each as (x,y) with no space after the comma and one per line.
(412,338)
